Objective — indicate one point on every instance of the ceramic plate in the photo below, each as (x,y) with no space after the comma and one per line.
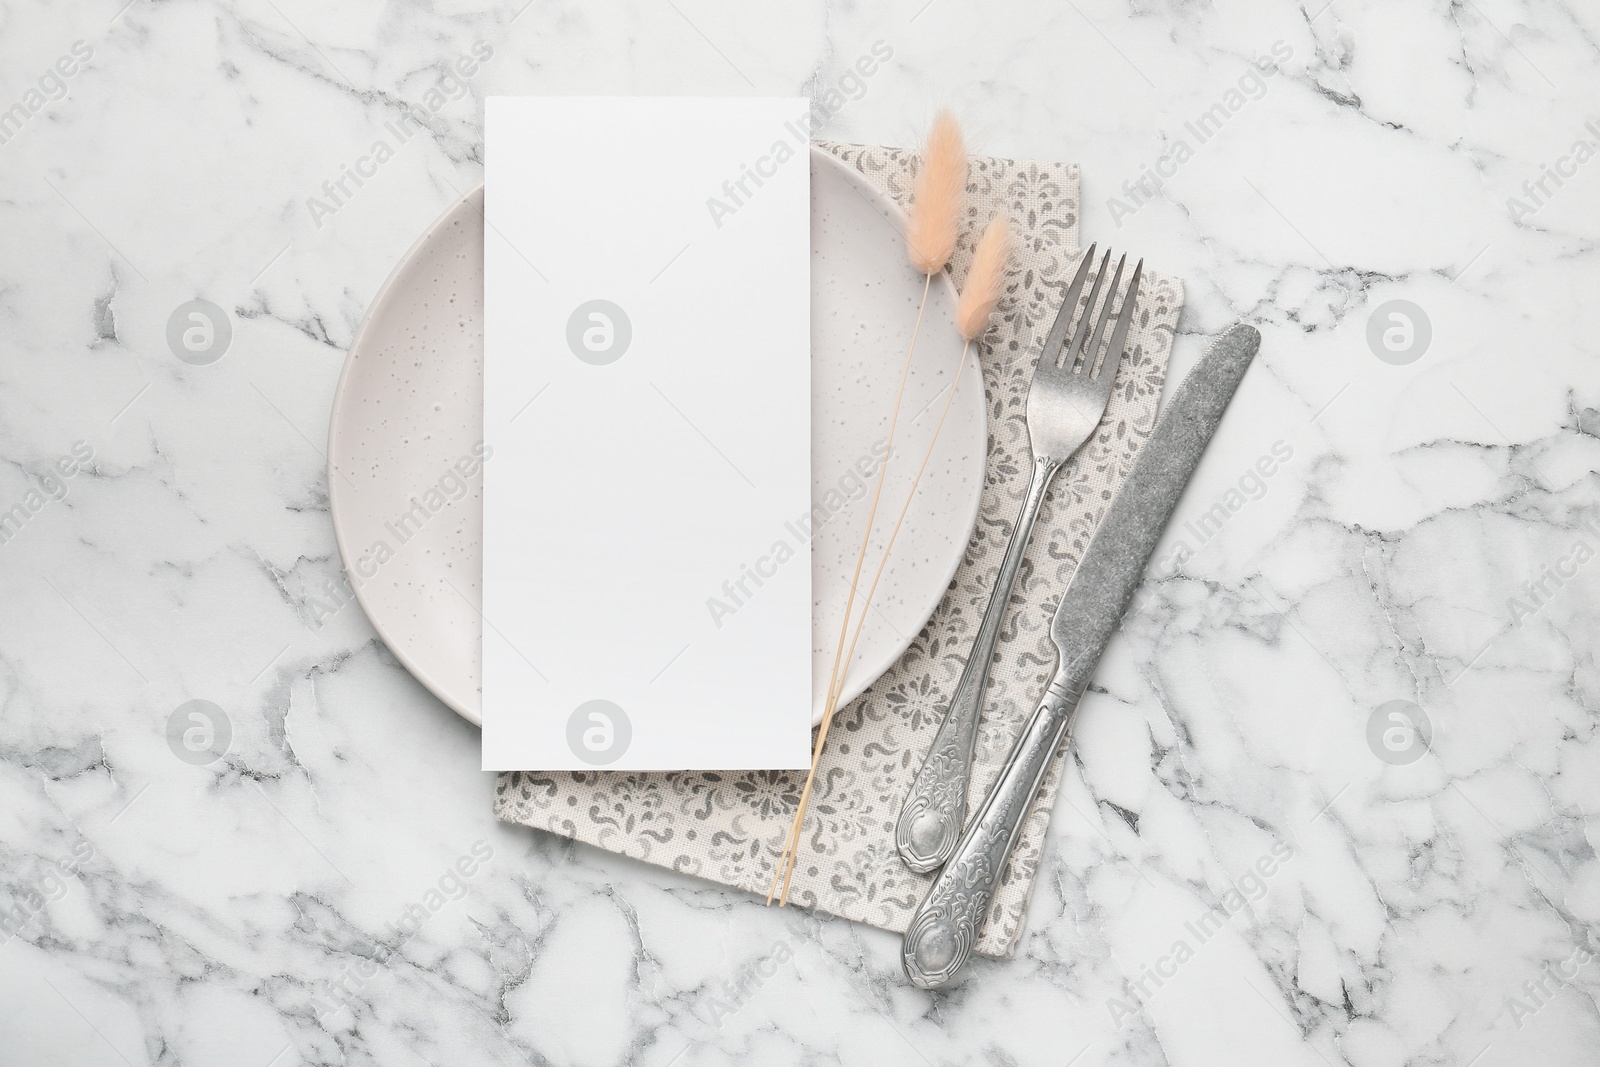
(405,479)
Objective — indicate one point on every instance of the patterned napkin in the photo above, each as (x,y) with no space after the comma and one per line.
(729,826)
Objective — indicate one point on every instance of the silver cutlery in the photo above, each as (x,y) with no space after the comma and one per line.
(939,939)
(1066,400)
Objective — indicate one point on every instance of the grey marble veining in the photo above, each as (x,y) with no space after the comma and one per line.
(1252,860)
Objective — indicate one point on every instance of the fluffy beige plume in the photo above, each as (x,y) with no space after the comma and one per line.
(937,203)
(985,280)
(937,196)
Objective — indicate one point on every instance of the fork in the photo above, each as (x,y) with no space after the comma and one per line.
(1066,399)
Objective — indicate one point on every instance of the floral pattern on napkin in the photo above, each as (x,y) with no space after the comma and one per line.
(729,827)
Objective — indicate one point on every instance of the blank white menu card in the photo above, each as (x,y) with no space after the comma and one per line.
(647,384)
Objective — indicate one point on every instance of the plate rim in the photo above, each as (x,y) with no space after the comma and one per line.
(341,396)
(379,305)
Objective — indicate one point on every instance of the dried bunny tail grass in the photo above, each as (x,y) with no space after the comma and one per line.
(787,864)
(930,240)
(791,843)
(986,278)
(937,196)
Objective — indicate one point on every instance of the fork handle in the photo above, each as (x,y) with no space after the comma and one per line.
(936,805)
(942,930)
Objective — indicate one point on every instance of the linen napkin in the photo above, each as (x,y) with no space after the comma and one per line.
(729,827)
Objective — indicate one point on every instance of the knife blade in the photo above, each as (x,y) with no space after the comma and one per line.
(938,941)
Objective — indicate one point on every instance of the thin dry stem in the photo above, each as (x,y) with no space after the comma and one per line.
(873,589)
(836,676)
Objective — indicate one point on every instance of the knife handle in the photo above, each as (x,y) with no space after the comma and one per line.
(936,804)
(942,930)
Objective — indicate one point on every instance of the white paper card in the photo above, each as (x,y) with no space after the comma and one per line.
(647,385)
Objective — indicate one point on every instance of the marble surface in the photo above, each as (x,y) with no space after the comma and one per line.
(1254,862)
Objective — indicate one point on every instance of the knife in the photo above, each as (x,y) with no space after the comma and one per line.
(939,938)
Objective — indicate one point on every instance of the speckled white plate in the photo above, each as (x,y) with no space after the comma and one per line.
(405,488)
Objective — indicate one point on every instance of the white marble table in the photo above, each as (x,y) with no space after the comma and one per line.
(335,891)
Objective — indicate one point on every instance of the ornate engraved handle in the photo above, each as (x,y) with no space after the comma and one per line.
(938,941)
(936,805)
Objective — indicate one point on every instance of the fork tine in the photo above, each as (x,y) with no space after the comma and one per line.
(1092,354)
(1119,333)
(1058,330)
(1082,331)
